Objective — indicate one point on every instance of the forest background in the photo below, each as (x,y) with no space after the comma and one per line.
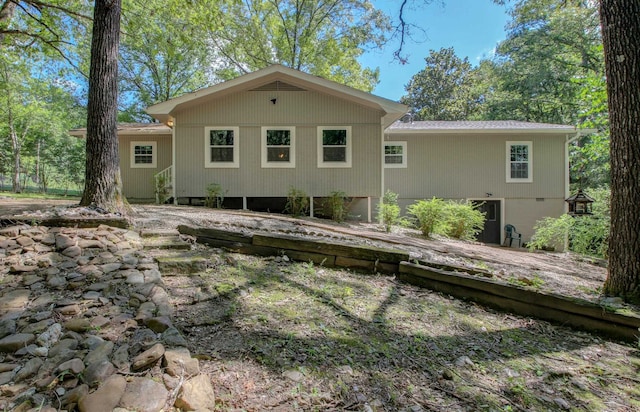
(550,68)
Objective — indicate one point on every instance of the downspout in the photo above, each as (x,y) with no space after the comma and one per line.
(173,162)
(382,171)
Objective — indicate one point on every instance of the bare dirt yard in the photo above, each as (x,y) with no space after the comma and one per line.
(284,336)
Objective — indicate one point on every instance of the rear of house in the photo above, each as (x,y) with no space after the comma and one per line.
(517,171)
(262,134)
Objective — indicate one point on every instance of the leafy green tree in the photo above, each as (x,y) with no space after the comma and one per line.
(550,44)
(164,57)
(444,89)
(321,37)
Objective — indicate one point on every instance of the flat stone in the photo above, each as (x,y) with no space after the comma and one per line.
(148,357)
(178,362)
(120,358)
(197,393)
(57,282)
(106,397)
(6,377)
(6,367)
(90,244)
(172,338)
(98,372)
(294,375)
(110,267)
(134,277)
(14,299)
(16,341)
(51,336)
(24,241)
(23,268)
(68,310)
(7,327)
(72,251)
(64,242)
(78,325)
(102,352)
(29,369)
(38,327)
(144,395)
(75,366)
(158,324)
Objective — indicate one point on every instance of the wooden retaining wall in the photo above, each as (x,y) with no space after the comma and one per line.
(329,254)
(573,312)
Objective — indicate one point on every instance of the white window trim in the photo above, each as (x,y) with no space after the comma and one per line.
(402,165)
(154,154)
(292,148)
(236,148)
(510,179)
(321,162)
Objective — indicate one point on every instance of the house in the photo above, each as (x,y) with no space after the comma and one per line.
(261,134)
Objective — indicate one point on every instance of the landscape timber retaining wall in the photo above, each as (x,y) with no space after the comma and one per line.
(574,312)
(577,313)
(329,254)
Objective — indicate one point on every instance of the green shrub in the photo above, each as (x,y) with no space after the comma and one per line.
(215,196)
(587,234)
(428,215)
(462,220)
(297,202)
(389,211)
(161,189)
(337,203)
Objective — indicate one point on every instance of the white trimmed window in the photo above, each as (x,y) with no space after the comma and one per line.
(221,147)
(279,146)
(395,155)
(334,146)
(519,162)
(143,154)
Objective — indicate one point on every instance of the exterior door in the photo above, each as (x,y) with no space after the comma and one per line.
(492,225)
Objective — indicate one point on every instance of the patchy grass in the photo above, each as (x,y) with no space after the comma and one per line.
(292,336)
(73,195)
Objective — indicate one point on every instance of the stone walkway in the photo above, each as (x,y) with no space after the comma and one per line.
(85,324)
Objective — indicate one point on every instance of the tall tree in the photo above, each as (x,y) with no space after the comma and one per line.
(444,89)
(103,185)
(166,56)
(621,34)
(321,37)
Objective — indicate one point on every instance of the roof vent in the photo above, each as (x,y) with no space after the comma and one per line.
(278,86)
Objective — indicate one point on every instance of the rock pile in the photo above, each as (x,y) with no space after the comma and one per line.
(85,324)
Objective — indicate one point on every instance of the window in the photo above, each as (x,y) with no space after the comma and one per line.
(278,146)
(143,154)
(221,147)
(395,155)
(519,158)
(334,146)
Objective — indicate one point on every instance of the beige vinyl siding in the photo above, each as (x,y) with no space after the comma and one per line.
(302,110)
(524,213)
(138,182)
(455,166)
(461,167)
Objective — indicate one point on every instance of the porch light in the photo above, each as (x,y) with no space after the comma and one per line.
(170,123)
(579,204)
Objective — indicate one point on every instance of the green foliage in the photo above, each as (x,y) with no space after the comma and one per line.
(587,234)
(215,196)
(444,89)
(447,218)
(162,189)
(337,202)
(297,202)
(428,215)
(164,57)
(462,220)
(324,38)
(389,211)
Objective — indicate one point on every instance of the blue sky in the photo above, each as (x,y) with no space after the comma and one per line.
(472,27)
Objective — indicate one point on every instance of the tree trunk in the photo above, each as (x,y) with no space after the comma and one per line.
(15,148)
(621,37)
(103,186)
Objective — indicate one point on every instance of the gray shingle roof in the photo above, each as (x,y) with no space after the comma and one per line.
(489,125)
